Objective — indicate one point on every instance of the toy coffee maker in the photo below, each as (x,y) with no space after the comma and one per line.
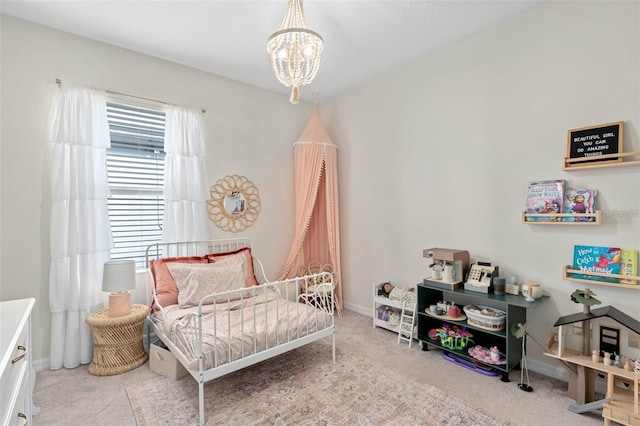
(454,262)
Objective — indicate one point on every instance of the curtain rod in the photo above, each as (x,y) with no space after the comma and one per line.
(204,111)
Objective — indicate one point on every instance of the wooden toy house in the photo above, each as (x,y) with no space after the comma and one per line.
(608,330)
(606,333)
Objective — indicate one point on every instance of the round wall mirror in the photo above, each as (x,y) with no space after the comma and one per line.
(234,203)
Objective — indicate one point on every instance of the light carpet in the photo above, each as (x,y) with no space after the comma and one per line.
(303,387)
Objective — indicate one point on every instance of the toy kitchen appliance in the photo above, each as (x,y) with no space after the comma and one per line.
(458,260)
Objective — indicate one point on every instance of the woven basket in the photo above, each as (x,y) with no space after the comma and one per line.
(117,341)
(485,321)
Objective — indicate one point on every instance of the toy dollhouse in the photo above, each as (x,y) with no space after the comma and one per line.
(611,333)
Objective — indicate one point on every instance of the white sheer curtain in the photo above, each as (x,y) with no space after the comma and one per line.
(185,176)
(80,233)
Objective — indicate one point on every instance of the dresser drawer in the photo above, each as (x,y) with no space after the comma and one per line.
(14,374)
(21,413)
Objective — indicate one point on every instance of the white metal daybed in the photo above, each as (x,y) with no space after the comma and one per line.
(219,324)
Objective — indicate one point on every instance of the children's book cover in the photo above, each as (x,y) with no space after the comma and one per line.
(628,264)
(545,197)
(579,201)
(605,260)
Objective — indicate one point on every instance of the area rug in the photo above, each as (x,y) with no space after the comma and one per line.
(303,387)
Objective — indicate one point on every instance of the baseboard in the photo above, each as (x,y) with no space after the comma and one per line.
(44,364)
(41,364)
(359,309)
(549,370)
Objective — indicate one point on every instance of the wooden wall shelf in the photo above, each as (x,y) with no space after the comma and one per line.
(597,215)
(567,162)
(567,275)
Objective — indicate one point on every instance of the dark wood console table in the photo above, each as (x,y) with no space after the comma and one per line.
(516,313)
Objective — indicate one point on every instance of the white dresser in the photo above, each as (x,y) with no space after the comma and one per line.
(16,370)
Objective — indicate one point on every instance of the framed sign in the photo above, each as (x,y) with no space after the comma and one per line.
(595,144)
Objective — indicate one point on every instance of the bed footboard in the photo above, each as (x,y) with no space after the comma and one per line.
(237,324)
(232,330)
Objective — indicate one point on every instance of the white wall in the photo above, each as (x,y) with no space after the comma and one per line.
(438,153)
(249,132)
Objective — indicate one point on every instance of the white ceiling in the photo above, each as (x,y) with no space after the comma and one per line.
(363,38)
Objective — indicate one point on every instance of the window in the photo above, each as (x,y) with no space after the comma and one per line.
(135,168)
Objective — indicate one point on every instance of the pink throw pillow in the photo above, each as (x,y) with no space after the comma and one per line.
(246,252)
(166,288)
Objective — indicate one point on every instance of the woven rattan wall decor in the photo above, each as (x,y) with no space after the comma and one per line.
(234,203)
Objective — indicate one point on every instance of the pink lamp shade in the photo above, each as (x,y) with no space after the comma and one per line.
(118,278)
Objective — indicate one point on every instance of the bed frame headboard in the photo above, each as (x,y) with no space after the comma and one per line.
(197,248)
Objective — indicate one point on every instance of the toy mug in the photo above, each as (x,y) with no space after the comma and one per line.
(449,273)
(454,312)
(531,291)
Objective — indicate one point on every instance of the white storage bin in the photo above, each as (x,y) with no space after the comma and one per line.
(163,362)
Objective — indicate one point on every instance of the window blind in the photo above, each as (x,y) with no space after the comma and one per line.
(135,169)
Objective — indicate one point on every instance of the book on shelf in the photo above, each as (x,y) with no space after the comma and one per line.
(579,201)
(545,197)
(628,264)
(604,260)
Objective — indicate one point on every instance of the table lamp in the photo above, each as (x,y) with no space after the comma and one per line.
(118,278)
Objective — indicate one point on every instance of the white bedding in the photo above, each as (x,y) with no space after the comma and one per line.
(232,330)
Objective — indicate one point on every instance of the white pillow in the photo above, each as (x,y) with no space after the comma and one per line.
(196,280)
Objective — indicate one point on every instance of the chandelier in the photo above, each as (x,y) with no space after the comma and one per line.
(295,50)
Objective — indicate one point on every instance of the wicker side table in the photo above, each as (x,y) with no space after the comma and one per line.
(117,342)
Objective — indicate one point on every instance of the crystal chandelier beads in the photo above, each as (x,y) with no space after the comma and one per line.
(295,51)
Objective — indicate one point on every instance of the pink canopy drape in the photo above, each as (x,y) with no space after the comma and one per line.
(317,237)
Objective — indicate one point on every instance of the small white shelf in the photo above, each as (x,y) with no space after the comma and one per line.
(385,324)
(379,301)
(597,216)
(567,274)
